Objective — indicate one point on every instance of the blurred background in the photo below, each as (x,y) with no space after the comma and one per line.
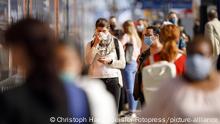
(74,19)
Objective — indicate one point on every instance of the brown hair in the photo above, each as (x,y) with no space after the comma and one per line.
(170,13)
(169,35)
(38,41)
(197,40)
(102,22)
(127,27)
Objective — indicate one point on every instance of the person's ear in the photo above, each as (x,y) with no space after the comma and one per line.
(157,36)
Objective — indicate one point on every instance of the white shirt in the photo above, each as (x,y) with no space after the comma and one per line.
(127,39)
(100,70)
(103,110)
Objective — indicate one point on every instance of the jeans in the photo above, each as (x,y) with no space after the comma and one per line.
(112,85)
(129,79)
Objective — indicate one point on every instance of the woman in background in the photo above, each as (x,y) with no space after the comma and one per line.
(43,97)
(132,45)
(169,36)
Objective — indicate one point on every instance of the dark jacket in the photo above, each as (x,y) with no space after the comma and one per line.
(138,93)
(35,102)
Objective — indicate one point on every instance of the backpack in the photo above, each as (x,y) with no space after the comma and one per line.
(153,76)
(117,48)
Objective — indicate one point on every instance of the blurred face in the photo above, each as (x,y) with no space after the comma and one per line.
(141,22)
(113,24)
(146,33)
(140,26)
(102,29)
(153,37)
(150,32)
(69,61)
(113,21)
(19,57)
(202,49)
(199,62)
(158,25)
(173,18)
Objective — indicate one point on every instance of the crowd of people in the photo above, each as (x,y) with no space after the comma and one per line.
(57,88)
(146,44)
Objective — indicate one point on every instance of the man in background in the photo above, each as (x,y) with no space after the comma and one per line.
(212,31)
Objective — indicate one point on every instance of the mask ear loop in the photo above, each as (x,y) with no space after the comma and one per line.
(152,38)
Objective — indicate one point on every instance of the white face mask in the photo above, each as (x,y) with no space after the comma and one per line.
(198,67)
(140,28)
(103,47)
(67,77)
(104,36)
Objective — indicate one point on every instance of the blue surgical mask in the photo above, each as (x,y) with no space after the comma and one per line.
(198,67)
(173,21)
(148,40)
(67,77)
(182,43)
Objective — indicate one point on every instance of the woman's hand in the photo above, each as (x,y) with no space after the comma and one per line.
(96,40)
(105,60)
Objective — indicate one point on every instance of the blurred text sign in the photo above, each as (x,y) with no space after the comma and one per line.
(159,4)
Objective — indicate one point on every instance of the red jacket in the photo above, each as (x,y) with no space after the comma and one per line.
(180,63)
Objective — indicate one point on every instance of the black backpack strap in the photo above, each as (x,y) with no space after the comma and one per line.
(91,43)
(138,94)
(143,57)
(117,48)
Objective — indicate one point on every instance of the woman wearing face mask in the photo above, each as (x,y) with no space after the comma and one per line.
(173,18)
(193,96)
(169,36)
(141,25)
(105,60)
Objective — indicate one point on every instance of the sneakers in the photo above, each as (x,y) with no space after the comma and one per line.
(133,115)
(129,114)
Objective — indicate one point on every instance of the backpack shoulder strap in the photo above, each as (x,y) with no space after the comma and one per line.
(117,48)
(91,43)
(143,57)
